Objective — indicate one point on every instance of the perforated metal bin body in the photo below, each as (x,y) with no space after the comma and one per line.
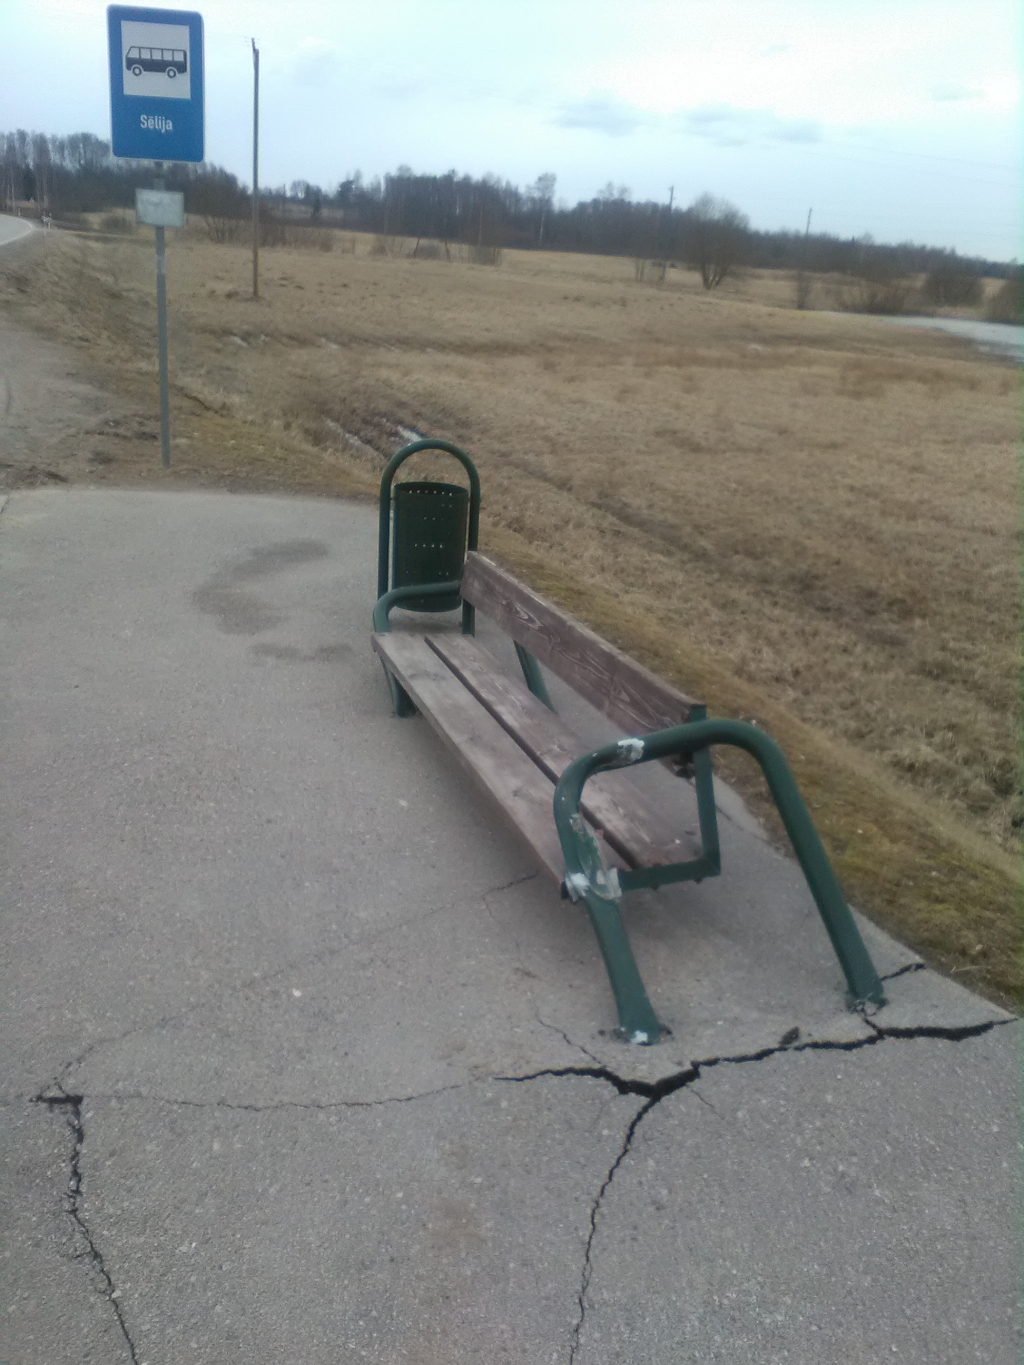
(429,529)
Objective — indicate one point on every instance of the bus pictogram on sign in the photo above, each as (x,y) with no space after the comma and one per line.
(171,61)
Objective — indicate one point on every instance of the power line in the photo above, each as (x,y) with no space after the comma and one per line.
(930,156)
(871,157)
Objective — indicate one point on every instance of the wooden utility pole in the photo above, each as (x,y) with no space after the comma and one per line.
(803,285)
(255,170)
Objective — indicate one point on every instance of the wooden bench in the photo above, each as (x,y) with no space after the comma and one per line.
(596,844)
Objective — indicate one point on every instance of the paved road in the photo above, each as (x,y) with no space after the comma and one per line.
(12,228)
(303,1062)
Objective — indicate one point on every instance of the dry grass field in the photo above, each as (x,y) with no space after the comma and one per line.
(811,519)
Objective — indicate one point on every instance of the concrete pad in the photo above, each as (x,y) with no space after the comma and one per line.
(246,906)
(819,1206)
(449,1229)
(424,1007)
(211,785)
(717,975)
(923,999)
(193,793)
(500,985)
(55,1304)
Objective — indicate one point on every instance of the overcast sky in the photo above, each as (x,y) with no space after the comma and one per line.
(895,118)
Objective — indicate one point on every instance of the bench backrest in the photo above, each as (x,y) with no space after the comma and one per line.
(630,695)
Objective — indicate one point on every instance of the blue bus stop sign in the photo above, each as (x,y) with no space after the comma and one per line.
(156,83)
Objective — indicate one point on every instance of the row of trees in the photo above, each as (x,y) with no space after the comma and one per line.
(78,174)
(460,208)
(453,207)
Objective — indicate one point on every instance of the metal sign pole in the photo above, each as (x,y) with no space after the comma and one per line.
(157,114)
(161,335)
(160,209)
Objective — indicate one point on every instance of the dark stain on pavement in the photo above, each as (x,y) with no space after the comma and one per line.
(290,655)
(268,559)
(240,611)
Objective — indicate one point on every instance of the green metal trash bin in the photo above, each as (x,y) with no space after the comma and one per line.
(424,534)
(430,523)
(425,531)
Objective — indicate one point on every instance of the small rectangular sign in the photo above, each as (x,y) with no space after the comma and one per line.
(160,208)
(156,83)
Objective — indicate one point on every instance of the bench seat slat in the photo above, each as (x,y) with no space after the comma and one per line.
(479,744)
(627,693)
(631,823)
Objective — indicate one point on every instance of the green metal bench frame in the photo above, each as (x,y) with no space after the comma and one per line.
(587,877)
(601,888)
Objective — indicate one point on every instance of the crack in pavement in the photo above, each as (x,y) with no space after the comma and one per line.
(668,1085)
(577,1047)
(902,971)
(57,1083)
(951,1035)
(595,1209)
(257,980)
(72,1106)
(653,1092)
(507,886)
(141,1096)
(55,1097)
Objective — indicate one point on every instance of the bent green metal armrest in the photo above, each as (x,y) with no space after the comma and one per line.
(401,702)
(396,596)
(600,888)
(382,624)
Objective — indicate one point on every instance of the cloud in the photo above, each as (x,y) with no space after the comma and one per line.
(599,114)
(316,64)
(795,130)
(949,92)
(722,124)
(727,126)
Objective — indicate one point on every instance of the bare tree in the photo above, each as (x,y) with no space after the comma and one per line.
(41,163)
(952,283)
(1007,303)
(716,238)
(221,202)
(877,284)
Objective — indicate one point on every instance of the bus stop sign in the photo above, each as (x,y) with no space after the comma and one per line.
(156,83)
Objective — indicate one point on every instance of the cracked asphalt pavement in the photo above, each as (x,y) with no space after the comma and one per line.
(304,1062)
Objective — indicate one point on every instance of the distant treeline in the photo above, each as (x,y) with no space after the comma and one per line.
(76,174)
